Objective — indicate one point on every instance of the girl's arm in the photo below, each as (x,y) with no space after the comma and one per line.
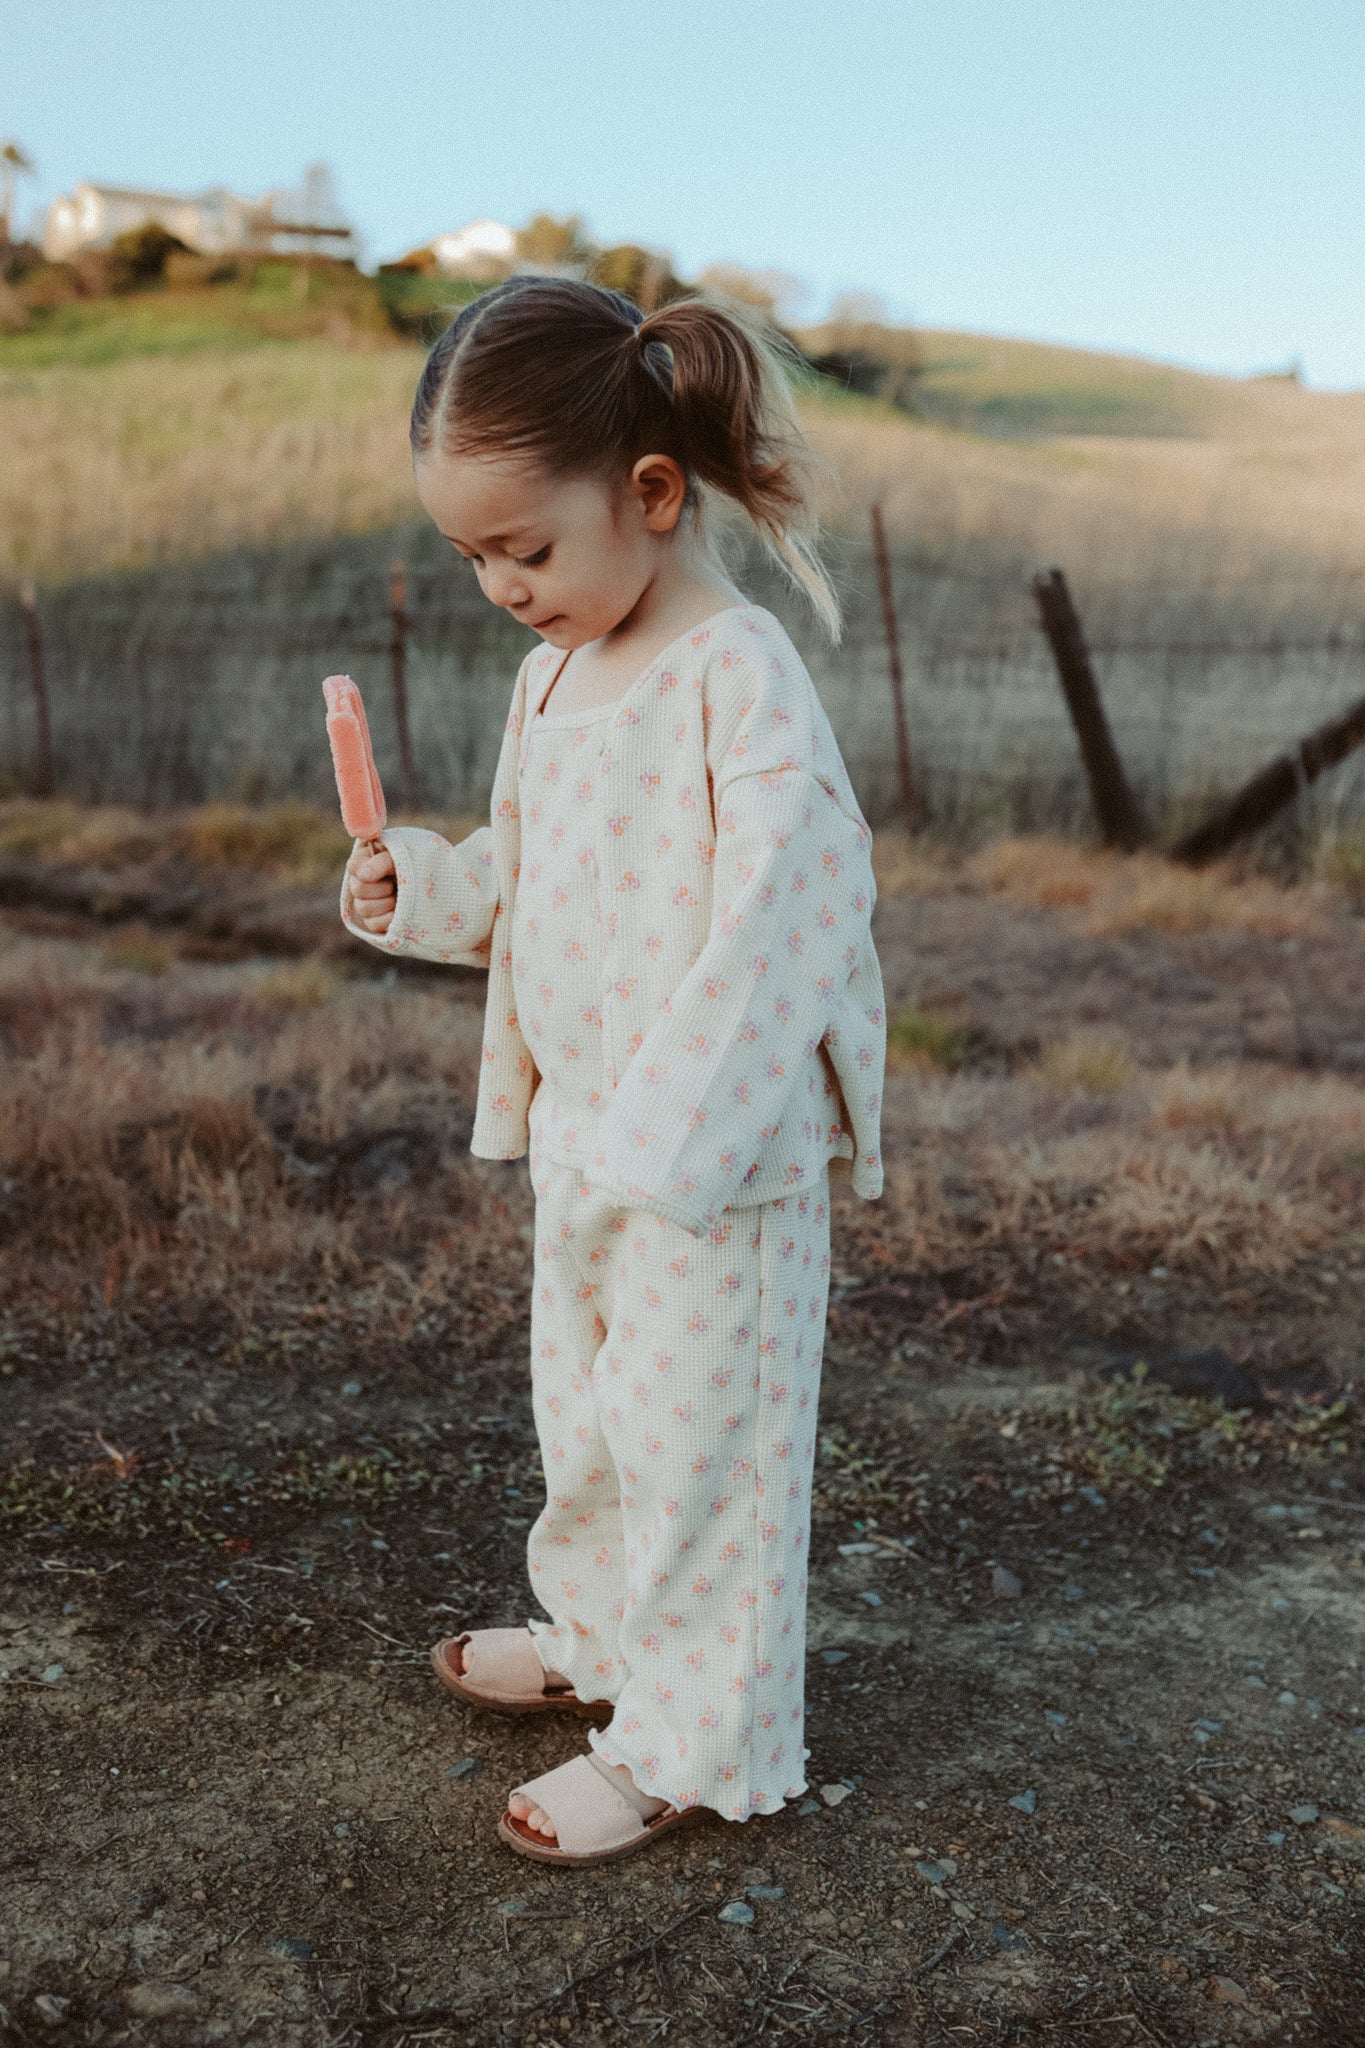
(447,897)
(719,1066)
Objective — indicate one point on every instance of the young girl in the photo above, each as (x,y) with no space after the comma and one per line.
(684,1027)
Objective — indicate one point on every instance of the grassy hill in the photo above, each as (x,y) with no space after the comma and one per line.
(173,422)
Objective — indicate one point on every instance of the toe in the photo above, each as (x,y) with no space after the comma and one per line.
(519,1806)
(541,1822)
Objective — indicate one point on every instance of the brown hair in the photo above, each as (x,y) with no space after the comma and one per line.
(576,376)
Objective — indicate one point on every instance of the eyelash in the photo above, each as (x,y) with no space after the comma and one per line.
(534,561)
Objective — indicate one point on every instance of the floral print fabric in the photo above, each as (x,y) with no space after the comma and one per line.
(743,1028)
(675,1382)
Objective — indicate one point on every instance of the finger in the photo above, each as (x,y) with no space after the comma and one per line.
(375,865)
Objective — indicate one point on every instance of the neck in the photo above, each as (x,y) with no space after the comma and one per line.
(685,588)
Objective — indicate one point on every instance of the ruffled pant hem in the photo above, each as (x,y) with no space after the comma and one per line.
(736,1800)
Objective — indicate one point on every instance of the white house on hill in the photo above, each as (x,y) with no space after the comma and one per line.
(482,251)
(215,222)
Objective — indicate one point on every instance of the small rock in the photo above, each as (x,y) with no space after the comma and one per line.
(1210,1727)
(1303,1816)
(932,1873)
(1005,1584)
(510,1909)
(467,1767)
(1073,1592)
(53,1673)
(342,1830)
(737,1914)
(1287,1699)
(962,1910)
(807,1807)
(1025,1802)
(858,1549)
(1351,1830)
(378,1543)
(1255,1678)
(1227,1991)
(872,1599)
(152,2001)
(766,1891)
(835,1795)
(352,1389)
(292,1945)
(1054,1719)
(1006,1938)
(1094,1496)
(834,1656)
(50,2009)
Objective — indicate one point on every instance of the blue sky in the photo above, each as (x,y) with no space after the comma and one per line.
(1185,181)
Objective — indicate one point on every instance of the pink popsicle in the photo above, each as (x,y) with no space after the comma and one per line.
(362,797)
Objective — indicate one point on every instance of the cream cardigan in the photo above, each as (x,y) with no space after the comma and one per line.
(736,885)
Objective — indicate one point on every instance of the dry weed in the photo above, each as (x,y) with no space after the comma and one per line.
(1091,1064)
(1143,892)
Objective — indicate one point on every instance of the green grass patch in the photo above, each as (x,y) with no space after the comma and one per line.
(921,1038)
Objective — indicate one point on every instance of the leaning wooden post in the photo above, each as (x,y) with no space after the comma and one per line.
(398,659)
(1273,788)
(44,780)
(910,801)
(1116,809)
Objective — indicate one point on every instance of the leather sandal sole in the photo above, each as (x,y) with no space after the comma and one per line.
(517,1836)
(513,1704)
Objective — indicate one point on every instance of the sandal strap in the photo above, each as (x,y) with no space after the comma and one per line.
(512,1654)
(641,1801)
(588,1817)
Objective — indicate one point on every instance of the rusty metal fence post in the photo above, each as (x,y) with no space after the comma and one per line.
(911,801)
(44,779)
(398,667)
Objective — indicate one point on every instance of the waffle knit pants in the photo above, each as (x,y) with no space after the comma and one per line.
(675,1382)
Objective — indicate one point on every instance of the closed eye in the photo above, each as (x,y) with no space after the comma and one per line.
(533,561)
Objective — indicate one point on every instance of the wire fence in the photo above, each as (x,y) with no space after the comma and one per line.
(186,683)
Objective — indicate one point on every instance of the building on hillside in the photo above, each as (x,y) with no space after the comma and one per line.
(215,222)
(483,251)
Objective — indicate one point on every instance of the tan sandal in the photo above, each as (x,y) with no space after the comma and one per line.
(591,1823)
(529,1692)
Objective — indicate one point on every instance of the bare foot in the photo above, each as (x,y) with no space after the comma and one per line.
(523,1809)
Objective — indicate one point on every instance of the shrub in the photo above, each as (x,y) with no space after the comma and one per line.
(138,256)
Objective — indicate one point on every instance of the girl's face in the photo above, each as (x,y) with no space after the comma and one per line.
(569,557)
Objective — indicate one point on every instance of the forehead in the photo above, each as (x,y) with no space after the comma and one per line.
(479,498)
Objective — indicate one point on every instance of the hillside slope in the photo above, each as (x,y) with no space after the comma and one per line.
(169,425)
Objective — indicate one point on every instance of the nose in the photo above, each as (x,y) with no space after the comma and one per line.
(506,586)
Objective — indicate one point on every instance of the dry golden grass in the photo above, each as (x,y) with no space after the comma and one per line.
(1273,474)
(1242,1173)
(1142,892)
(294,841)
(197,1128)
(160,456)
(183,1131)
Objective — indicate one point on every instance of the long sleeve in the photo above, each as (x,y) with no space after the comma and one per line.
(447,898)
(723,1059)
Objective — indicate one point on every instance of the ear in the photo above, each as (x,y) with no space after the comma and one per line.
(659,485)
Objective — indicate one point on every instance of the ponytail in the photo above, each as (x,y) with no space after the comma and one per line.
(573,374)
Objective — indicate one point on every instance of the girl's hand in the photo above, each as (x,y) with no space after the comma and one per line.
(373,890)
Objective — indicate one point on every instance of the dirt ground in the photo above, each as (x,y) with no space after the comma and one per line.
(1085,1686)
